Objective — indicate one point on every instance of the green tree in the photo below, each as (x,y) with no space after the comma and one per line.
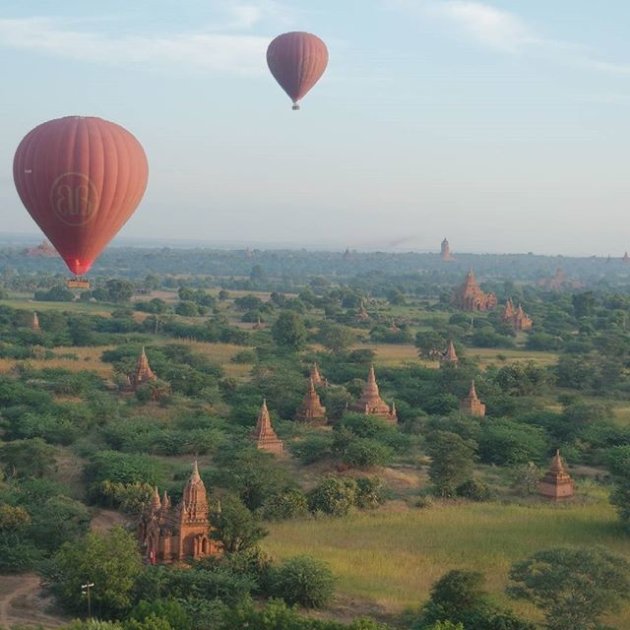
(452,460)
(333,496)
(573,587)
(619,463)
(27,458)
(303,580)
(111,562)
(119,290)
(236,527)
(335,338)
(289,330)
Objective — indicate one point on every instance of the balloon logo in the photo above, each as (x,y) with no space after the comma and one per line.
(297,61)
(81,179)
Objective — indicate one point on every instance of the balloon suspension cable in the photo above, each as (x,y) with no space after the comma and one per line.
(295,106)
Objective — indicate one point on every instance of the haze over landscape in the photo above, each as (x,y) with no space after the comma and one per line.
(502,125)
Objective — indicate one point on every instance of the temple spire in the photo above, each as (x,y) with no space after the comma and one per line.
(371,403)
(264,435)
(35,326)
(471,405)
(557,483)
(311,410)
(450,356)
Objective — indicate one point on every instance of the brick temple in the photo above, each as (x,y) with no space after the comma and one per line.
(516,317)
(450,356)
(316,376)
(445,251)
(471,405)
(35,325)
(311,411)
(176,534)
(470,297)
(371,404)
(143,372)
(557,483)
(264,435)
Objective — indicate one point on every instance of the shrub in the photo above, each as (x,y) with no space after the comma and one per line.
(303,580)
(333,496)
(474,490)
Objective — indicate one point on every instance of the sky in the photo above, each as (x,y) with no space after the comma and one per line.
(502,125)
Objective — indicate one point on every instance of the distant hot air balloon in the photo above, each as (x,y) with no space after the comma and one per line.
(297,60)
(80,178)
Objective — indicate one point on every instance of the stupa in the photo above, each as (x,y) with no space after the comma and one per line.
(311,410)
(557,483)
(450,356)
(182,533)
(470,297)
(445,251)
(35,326)
(471,405)
(316,376)
(371,404)
(143,372)
(264,435)
(516,317)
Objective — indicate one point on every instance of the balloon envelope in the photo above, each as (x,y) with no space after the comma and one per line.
(80,178)
(297,60)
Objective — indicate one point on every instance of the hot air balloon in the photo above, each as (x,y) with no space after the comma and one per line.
(297,60)
(80,178)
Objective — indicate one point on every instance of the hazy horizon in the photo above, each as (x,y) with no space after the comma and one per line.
(502,127)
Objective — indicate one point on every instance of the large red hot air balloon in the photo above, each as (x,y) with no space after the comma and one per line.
(80,178)
(297,60)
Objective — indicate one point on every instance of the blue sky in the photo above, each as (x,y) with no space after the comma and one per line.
(502,125)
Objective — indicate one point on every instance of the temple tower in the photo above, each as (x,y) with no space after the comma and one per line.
(626,258)
(371,404)
(311,410)
(557,483)
(35,326)
(316,376)
(143,372)
(471,405)
(470,297)
(264,435)
(516,317)
(450,356)
(445,251)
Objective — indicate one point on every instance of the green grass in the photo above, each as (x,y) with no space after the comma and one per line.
(392,559)
(27,303)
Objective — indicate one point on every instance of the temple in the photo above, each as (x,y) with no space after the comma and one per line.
(362,315)
(557,483)
(626,258)
(182,533)
(470,297)
(516,317)
(316,376)
(35,326)
(471,405)
(311,410)
(264,435)
(143,372)
(450,356)
(445,251)
(371,403)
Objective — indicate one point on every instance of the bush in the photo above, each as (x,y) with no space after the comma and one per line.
(366,453)
(474,490)
(333,496)
(290,504)
(369,493)
(303,580)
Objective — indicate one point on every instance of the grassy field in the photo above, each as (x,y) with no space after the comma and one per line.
(27,303)
(390,560)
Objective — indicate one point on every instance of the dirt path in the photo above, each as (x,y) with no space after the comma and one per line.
(21,602)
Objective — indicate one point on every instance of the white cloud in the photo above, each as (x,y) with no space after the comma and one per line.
(213,52)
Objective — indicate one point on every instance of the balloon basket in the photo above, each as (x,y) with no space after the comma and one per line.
(295,107)
(78,283)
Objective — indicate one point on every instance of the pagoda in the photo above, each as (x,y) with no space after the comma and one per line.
(557,483)
(35,326)
(471,405)
(143,372)
(470,297)
(316,376)
(626,258)
(371,404)
(182,533)
(362,315)
(445,251)
(311,410)
(516,317)
(450,356)
(264,435)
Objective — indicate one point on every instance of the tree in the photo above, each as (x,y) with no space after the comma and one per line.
(111,562)
(619,463)
(289,330)
(119,290)
(236,527)
(333,496)
(452,460)
(335,338)
(303,580)
(27,458)
(573,587)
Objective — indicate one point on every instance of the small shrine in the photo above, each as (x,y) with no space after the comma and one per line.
(143,372)
(316,376)
(311,410)
(175,534)
(471,405)
(264,435)
(35,326)
(450,356)
(516,317)
(470,297)
(445,251)
(371,404)
(557,483)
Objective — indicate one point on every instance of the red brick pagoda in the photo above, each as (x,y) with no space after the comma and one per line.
(470,297)
(516,317)
(35,326)
(316,376)
(264,435)
(143,372)
(371,403)
(182,533)
(311,410)
(557,483)
(471,405)
(450,356)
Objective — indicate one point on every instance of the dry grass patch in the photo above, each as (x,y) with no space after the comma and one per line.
(500,356)
(69,358)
